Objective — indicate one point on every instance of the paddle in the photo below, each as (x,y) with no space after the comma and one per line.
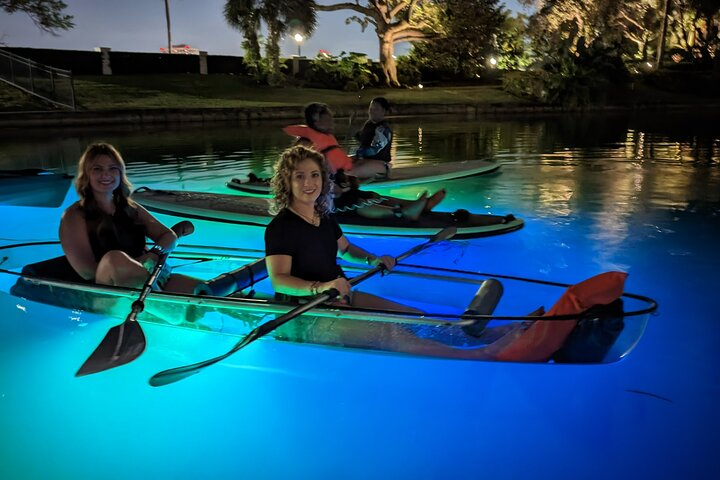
(179,373)
(125,342)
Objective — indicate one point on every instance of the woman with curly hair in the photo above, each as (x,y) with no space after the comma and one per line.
(302,241)
(103,234)
(301,245)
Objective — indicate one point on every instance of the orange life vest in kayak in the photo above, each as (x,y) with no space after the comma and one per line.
(543,338)
(324,143)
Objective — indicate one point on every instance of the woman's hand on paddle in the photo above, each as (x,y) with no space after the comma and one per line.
(340,284)
(148,260)
(385,260)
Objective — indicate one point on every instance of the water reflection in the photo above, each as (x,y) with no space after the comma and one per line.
(614,169)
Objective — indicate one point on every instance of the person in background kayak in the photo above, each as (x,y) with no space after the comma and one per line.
(302,243)
(376,136)
(103,233)
(348,196)
(318,129)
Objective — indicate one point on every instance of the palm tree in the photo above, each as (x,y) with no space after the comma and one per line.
(244,15)
(167,19)
(278,16)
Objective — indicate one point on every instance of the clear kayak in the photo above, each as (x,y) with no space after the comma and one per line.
(239,297)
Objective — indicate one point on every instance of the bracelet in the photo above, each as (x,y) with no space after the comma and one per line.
(159,251)
(314,288)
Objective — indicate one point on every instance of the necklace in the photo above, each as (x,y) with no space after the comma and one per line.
(314,220)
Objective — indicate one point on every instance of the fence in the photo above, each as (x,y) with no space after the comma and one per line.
(48,83)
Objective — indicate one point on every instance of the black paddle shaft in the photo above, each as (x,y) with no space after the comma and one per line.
(125,342)
(176,374)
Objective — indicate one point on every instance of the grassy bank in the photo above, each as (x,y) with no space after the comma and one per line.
(228,91)
(95,93)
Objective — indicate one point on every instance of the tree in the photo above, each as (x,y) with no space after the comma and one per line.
(394,21)
(244,15)
(696,28)
(167,20)
(469,37)
(278,16)
(512,46)
(46,14)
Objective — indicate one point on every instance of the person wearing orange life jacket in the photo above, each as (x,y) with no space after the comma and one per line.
(348,197)
(319,130)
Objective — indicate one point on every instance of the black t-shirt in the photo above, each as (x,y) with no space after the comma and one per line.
(313,249)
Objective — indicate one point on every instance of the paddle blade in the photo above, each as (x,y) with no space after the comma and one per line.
(122,344)
(173,375)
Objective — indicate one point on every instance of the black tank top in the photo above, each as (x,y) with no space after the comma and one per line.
(121,231)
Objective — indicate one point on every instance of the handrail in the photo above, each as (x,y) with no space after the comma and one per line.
(48,95)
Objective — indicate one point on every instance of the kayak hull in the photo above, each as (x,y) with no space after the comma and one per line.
(241,312)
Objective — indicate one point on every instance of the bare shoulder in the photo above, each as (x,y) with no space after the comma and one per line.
(73,215)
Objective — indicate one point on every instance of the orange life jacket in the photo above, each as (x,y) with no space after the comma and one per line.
(543,338)
(324,143)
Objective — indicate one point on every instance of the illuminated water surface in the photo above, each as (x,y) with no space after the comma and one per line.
(639,194)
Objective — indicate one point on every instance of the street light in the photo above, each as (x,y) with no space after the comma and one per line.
(299,38)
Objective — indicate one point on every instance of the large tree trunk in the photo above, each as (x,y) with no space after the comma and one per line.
(663,33)
(387,49)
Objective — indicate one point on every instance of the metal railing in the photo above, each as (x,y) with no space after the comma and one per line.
(51,84)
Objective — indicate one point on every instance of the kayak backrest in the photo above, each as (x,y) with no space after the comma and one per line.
(231,282)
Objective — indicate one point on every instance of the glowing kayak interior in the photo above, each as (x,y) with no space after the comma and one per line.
(443,294)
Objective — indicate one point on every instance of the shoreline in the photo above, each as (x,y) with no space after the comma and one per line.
(155,116)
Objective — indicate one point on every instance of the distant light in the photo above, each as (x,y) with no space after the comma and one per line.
(493,61)
(420,85)
(649,64)
(299,38)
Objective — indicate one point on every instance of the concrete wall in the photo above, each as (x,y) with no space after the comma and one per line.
(133,63)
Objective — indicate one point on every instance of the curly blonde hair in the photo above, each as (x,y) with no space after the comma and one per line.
(281,182)
(121,195)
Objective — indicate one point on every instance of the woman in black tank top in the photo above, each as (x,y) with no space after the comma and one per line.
(103,233)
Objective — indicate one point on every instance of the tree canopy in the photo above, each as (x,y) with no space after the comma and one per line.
(394,21)
(46,14)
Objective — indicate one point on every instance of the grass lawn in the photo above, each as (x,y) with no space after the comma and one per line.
(229,91)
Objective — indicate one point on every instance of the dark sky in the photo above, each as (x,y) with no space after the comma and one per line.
(139,25)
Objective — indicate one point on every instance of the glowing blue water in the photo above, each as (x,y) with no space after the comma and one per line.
(597,193)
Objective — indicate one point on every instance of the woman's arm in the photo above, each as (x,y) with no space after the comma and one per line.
(353,253)
(159,233)
(76,244)
(279,266)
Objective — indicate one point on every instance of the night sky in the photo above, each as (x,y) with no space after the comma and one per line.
(139,25)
